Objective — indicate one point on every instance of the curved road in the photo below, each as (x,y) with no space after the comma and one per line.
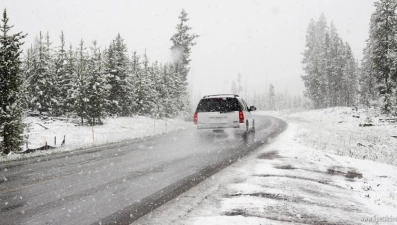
(117,183)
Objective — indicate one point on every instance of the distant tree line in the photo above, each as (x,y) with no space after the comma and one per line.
(333,76)
(272,100)
(237,86)
(269,99)
(88,82)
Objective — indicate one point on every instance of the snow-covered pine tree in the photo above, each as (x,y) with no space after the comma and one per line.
(41,79)
(116,64)
(27,69)
(171,82)
(163,91)
(11,128)
(137,83)
(182,42)
(155,74)
(96,90)
(166,89)
(109,60)
(239,84)
(174,84)
(366,77)
(234,87)
(62,80)
(79,95)
(54,79)
(69,82)
(31,76)
(147,82)
(272,98)
(349,80)
(327,76)
(383,42)
(322,44)
(310,65)
(335,67)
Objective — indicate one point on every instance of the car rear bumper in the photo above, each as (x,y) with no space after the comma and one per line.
(238,128)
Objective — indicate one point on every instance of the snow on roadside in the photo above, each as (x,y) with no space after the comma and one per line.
(337,130)
(77,137)
(287,182)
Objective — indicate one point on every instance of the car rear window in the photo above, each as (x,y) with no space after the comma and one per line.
(218,105)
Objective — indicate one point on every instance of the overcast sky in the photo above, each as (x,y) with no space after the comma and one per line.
(261,39)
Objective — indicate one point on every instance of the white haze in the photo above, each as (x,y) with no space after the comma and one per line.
(263,40)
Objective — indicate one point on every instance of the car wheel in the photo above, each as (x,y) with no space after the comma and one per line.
(246,133)
(249,135)
(247,128)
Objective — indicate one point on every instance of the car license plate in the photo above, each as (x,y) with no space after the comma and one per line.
(218,120)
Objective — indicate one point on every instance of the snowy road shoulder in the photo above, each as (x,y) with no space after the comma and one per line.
(287,182)
(53,132)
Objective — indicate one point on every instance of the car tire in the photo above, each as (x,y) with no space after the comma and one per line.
(246,133)
(249,135)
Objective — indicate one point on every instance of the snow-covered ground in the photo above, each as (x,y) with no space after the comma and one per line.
(77,137)
(296,180)
(338,131)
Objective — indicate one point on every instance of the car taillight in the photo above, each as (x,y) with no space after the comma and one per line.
(241,116)
(195,118)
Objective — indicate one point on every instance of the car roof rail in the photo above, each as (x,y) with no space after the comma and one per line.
(234,95)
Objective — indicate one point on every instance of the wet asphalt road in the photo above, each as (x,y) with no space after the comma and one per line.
(117,183)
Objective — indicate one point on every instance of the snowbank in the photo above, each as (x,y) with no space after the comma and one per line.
(77,137)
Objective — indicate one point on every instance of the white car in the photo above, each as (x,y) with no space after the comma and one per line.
(224,112)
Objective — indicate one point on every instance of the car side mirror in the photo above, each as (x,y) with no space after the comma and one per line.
(252,108)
